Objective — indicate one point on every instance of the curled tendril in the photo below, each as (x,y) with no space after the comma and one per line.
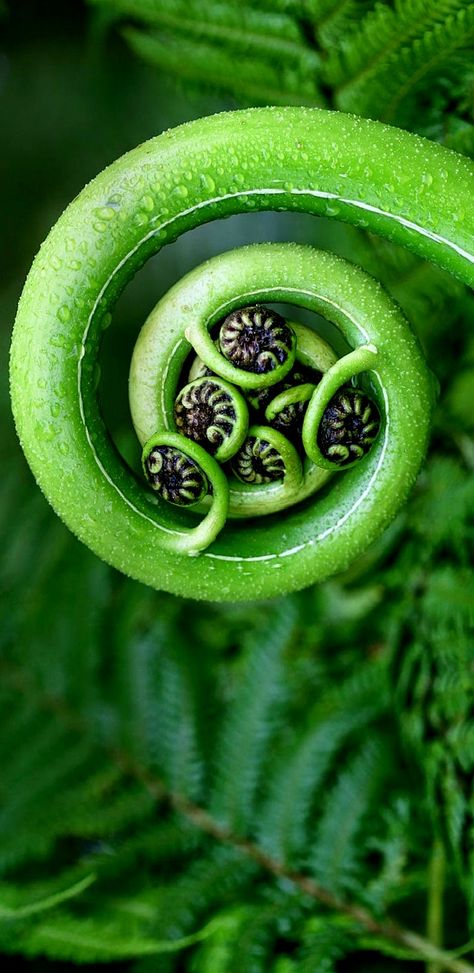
(182,474)
(198,369)
(299,375)
(287,410)
(325,163)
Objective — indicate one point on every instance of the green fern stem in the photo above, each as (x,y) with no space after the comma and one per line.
(436,883)
(406,189)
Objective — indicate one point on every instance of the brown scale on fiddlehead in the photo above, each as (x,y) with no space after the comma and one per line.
(348,427)
(204,412)
(258,462)
(290,421)
(214,414)
(299,375)
(255,339)
(175,476)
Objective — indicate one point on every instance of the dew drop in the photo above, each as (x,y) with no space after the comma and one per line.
(208,183)
(105,213)
(63,313)
(58,340)
(427,178)
(148,203)
(45,431)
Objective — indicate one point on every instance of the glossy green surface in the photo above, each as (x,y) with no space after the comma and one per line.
(402,187)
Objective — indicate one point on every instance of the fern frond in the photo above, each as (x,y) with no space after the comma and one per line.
(158,685)
(394,50)
(245,941)
(334,856)
(251,718)
(48,902)
(212,67)
(324,942)
(238,27)
(461,139)
(335,21)
(301,770)
(253,53)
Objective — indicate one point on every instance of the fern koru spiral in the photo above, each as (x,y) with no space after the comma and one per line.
(265,453)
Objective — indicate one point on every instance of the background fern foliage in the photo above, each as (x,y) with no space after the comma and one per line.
(407,62)
(284,787)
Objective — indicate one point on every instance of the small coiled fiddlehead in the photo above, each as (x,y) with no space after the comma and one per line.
(256,339)
(212,413)
(174,475)
(348,427)
(401,187)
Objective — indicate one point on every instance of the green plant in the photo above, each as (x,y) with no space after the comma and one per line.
(234,809)
(408,62)
(283,786)
(323,163)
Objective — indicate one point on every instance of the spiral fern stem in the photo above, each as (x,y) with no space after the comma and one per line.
(320,162)
(348,427)
(198,370)
(287,410)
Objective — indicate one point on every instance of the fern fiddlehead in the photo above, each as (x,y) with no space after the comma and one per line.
(401,187)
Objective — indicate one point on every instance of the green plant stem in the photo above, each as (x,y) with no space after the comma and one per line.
(405,189)
(50,902)
(428,952)
(434,923)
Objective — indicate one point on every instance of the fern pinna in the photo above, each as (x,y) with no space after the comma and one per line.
(234,801)
(408,62)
